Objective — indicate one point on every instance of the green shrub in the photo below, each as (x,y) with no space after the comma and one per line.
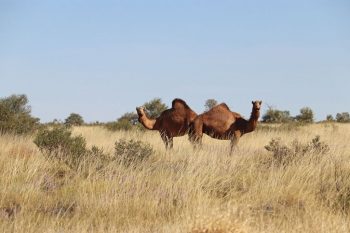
(276,116)
(306,115)
(329,118)
(126,122)
(74,119)
(59,144)
(132,152)
(284,154)
(119,125)
(343,117)
(15,115)
(154,107)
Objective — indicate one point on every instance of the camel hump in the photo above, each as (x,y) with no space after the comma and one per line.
(179,103)
(236,115)
(223,105)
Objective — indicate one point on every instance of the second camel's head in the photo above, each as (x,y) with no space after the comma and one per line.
(257,105)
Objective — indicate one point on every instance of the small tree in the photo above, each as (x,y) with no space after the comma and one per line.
(155,107)
(306,115)
(209,104)
(74,119)
(130,117)
(15,115)
(343,117)
(329,118)
(276,116)
(125,122)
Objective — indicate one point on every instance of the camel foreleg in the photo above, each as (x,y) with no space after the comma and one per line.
(234,140)
(168,141)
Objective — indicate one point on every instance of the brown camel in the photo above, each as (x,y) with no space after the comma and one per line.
(171,123)
(221,123)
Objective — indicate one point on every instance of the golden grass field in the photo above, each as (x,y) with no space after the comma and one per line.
(182,190)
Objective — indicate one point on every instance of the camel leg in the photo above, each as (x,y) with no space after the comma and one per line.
(234,140)
(197,133)
(168,141)
(197,142)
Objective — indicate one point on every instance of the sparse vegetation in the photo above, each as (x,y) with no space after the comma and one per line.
(180,190)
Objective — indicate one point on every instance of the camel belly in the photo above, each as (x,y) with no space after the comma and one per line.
(176,130)
(218,134)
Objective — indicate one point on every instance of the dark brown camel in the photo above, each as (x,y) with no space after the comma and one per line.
(221,123)
(171,123)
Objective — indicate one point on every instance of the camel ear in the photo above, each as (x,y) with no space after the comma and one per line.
(260,102)
(252,102)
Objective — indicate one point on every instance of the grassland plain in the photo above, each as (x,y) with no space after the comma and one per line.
(181,190)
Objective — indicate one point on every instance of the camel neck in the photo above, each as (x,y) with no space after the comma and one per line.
(253,120)
(147,122)
(254,116)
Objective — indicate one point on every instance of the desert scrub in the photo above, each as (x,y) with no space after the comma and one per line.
(132,152)
(280,127)
(59,144)
(284,154)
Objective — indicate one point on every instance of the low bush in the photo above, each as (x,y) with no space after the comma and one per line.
(284,154)
(59,144)
(132,152)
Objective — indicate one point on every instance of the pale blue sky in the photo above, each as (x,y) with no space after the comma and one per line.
(103,58)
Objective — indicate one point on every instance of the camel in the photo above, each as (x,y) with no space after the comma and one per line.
(173,122)
(221,123)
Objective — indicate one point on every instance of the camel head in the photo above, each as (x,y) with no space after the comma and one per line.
(257,105)
(140,111)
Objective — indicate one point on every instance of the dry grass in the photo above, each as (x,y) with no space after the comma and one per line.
(205,191)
